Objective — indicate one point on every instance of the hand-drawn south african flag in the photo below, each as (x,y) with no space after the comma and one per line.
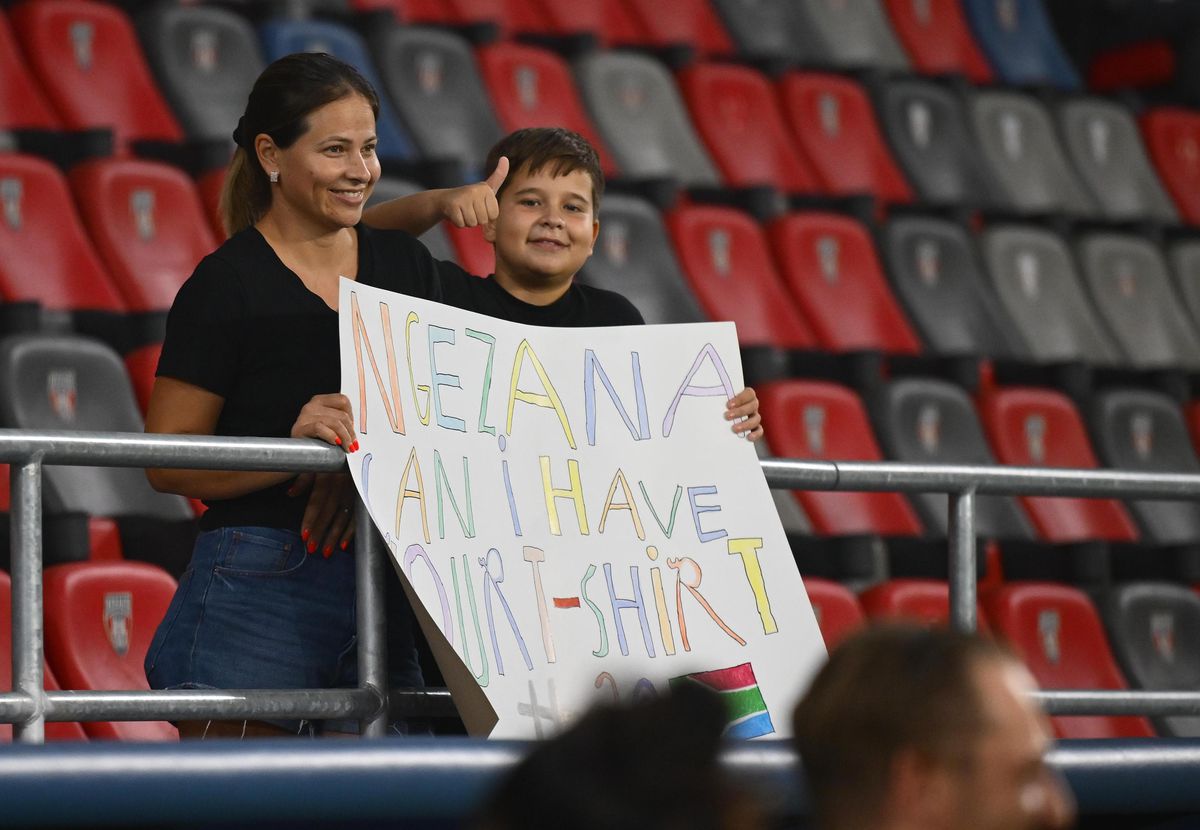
(748,715)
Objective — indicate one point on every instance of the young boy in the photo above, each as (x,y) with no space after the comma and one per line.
(539,209)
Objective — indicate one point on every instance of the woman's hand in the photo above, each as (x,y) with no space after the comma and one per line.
(328,522)
(329,418)
(742,409)
(474,204)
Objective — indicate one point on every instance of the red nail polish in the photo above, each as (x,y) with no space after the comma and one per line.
(345,544)
(354,446)
(312,547)
(328,551)
(304,534)
(337,440)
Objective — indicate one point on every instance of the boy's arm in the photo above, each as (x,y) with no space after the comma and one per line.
(466,206)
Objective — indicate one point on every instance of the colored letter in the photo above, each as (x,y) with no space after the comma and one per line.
(411,555)
(674,507)
(697,509)
(619,605)
(686,388)
(493,575)
(487,379)
(628,504)
(693,586)
(442,481)
(591,365)
(438,334)
(409,322)
(392,406)
(549,400)
(574,492)
(405,492)
(587,577)
(604,677)
(482,678)
(660,604)
(748,550)
(534,556)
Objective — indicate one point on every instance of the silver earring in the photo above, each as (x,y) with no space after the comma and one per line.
(273,176)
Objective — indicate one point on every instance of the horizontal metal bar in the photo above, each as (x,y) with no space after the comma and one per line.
(1154,704)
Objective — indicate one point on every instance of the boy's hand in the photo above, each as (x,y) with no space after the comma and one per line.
(475,204)
(742,409)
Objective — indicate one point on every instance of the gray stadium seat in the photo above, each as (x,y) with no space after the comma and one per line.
(641,117)
(928,131)
(848,35)
(1155,633)
(1034,276)
(1103,140)
(1184,257)
(435,238)
(935,272)
(762,29)
(1017,142)
(1132,289)
(927,421)
(1144,431)
(634,257)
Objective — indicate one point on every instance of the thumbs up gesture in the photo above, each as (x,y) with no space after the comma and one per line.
(475,204)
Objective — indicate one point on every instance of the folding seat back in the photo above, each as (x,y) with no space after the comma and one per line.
(507,17)
(831,119)
(725,256)
(1020,43)
(1155,633)
(848,35)
(88,61)
(1058,635)
(936,274)
(820,420)
(23,105)
(206,60)
(100,618)
(938,39)
(1184,257)
(1132,290)
(1041,428)
(610,22)
(762,29)
(283,37)
(45,254)
(435,238)
(927,421)
(640,116)
(148,225)
(922,601)
(691,23)
(1017,142)
(1034,276)
(737,115)
(1144,431)
(838,611)
(829,263)
(1173,140)
(1103,141)
(928,131)
(633,257)
(532,87)
(141,365)
(209,186)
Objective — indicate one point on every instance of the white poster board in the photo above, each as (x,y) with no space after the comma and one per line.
(573,514)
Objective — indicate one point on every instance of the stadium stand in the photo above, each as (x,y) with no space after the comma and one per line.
(607,23)
(1172,137)
(837,609)
(1184,257)
(937,39)
(847,35)
(1020,43)
(435,239)
(23,104)
(763,30)
(141,364)
(209,186)
(689,23)
(924,601)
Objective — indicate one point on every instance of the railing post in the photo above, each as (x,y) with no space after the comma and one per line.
(28,639)
(372,624)
(962,560)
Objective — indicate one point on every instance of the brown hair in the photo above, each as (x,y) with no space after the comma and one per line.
(553,149)
(284,95)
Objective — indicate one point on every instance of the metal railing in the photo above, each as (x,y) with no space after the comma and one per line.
(29,706)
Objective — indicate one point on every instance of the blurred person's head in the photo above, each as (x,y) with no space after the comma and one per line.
(927,728)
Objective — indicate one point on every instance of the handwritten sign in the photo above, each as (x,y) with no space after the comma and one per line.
(572,516)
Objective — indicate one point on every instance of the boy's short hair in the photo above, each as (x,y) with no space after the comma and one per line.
(554,149)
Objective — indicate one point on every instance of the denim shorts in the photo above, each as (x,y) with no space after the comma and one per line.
(255,611)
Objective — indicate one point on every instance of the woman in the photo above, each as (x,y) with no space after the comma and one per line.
(252,349)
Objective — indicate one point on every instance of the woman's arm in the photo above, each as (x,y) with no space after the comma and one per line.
(466,206)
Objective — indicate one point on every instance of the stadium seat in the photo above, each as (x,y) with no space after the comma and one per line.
(725,256)
(1030,427)
(690,23)
(206,60)
(633,257)
(1184,257)
(638,111)
(927,128)
(209,186)
(938,39)
(831,120)
(821,420)
(1019,145)
(283,37)
(507,17)
(1103,141)
(141,364)
(923,601)
(100,618)
(1033,274)
(763,30)
(532,87)
(927,421)
(23,104)
(1173,140)
(838,611)
(736,113)
(791,515)
(1057,633)
(1020,43)
(935,272)
(828,261)
(435,238)
(148,226)
(848,35)
(87,59)
(1132,290)
(1143,431)
(610,22)
(1155,633)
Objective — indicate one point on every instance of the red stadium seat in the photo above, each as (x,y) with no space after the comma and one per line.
(209,186)
(1042,428)
(691,23)
(474,253)
(54,731)
(833,123)
(925,601)
(23,104)
(532,87)
(88,60)
(44,253)
(1057,633)
(509,16)
(737,115)
(829,263)
(141,364)
(611,22)
(820,420)
(100,618)
(1173,141)
(725,256)
(938,39)
(837,609)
